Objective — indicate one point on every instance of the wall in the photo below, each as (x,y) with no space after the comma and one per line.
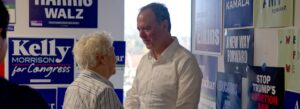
(206,15)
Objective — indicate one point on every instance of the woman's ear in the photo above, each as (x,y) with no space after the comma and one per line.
(100,59)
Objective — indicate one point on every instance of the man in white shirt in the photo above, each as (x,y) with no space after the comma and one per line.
(168,76)
(92,89)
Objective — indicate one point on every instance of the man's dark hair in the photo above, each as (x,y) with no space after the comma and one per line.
(161,12)
(4,19)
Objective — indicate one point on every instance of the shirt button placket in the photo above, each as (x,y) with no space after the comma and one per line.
(153,78)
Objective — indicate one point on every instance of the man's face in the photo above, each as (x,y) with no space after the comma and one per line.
(149,29)
(3,47)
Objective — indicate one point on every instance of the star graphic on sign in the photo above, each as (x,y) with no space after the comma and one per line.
(237,70)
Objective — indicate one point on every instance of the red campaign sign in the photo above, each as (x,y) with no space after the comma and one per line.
(1,69)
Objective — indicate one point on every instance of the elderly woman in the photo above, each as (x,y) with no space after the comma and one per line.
(92,89)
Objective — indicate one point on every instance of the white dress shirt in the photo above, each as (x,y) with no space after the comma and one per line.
(91,91)
(171,82)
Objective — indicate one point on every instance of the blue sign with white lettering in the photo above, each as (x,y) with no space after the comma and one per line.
(120,49)
(229,90)
(207,27)
(11,27)
(49,95)
(209,67)
(238,13)
(291,100)
(41,60)
(63,13)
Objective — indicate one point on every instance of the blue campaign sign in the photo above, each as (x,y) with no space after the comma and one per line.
(207,27)
(209,67)
(60,96)
(120,95)
(120,51)
(50,96)
(238,13)
(11,27)
(238,52)
(41,60)
(9,2)
(63,13)
(229,90)
(291,100)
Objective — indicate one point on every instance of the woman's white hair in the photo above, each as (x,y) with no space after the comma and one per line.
(89,46)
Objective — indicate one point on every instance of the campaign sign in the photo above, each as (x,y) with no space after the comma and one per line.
(266,87)
(63,13)
(291,100)
(274,13)
(288,56)
(117,79)
(49,96)
(119,93)
(11,27)
(40,60)
(209,67)
(207,27)
(229,89)
(11,7)
(1,69)
(60,96)
(120,49)
(238,52)
(238,13)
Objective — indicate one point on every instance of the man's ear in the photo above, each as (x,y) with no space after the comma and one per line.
(165,24)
